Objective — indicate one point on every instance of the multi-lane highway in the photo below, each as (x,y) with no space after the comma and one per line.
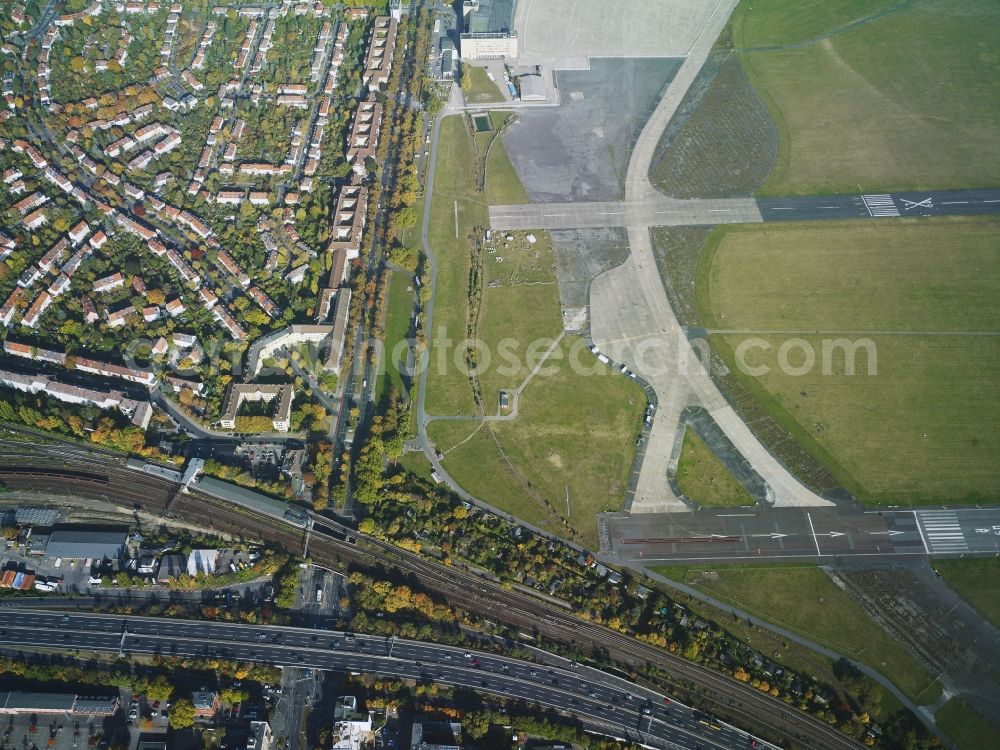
(603,702)
(818,534)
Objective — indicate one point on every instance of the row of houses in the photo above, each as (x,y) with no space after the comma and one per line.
(206,40)
(139,412)
(168,37)
(378,64)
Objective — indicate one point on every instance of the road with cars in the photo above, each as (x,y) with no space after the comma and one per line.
(604,703)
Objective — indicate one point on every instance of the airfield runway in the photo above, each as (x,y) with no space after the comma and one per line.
(752,534)
(663,211)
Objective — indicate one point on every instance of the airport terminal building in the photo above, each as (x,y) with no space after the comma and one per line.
(489,33)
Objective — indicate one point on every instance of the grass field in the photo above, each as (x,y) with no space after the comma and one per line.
(572,431)
(455,210)
(916,428)
(977,581)
(525,466)
(483,90)
(805,600)
(967,727)
(398,312)
(704,479)
(417,464)
(520,296)
(905,100)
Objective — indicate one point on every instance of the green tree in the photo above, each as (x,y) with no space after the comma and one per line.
(181,714)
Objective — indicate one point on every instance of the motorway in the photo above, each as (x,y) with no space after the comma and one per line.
(658,210)
(625,709)
(819,534)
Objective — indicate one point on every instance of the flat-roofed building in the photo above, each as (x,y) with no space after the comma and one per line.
(81,543)
(19,702)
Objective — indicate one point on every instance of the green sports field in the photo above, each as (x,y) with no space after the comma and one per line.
(915,422)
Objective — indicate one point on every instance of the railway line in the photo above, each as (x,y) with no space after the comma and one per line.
(334,545)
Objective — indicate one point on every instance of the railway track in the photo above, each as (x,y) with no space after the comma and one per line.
(717,692)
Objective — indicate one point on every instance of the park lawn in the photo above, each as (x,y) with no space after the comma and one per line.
(520,308)
(576,431)
(803,599)
(977,581)
(572,431)
(416,463)
(473,459)
(503,186)
(966,726)
(398,314)
(787,652)
(454,206)
(704,479)
(914,423)
(483,90)
(906,101)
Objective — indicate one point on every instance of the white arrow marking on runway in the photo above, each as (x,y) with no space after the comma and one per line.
(772,535)
(891,532)
(832,533)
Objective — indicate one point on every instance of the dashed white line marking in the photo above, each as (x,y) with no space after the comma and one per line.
(952,203)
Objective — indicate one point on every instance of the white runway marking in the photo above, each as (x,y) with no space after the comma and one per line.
(925,203)
(880,205)
(941,531)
